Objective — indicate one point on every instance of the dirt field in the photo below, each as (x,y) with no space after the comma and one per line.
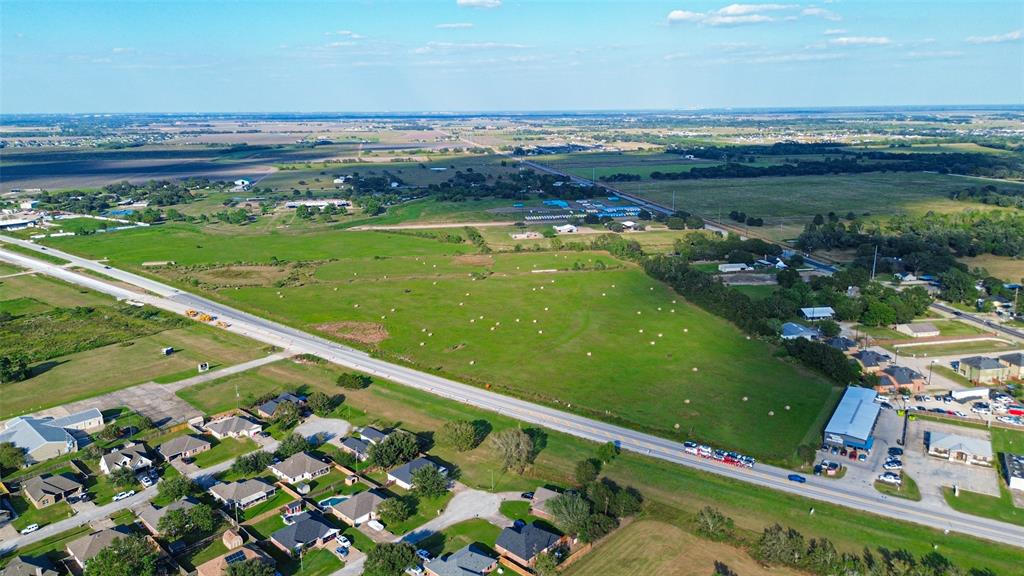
(361,332)
(651,547)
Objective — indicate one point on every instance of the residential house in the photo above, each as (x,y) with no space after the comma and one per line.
(48,489)
(1014,470)
(29,566)
(523,544)
(135,457)
(918,330)
(818,313)
(269,408)
(895,378)
(730,267)
(244,494)
(45,438)
(307,530)
(792,331)
(539,502)
(1014,365)
(357,447)
(233,427)
(359,508)
(871,361)
(300,467)
(372,435)
(963,449)
(219,565)
(149,515)
(186,446)
(87,547)
(402,476)
(982,369)
(468,561)
(904,277)
(841,343)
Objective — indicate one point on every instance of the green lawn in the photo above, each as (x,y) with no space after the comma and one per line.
(996,507)
(426,509)
(29,514)
(100,489)
(759,292)
(280,499)
(225,449)
(264,528)
(519,510)
(907,490)
(976,347)
(881,332)
(458,536)
(205,554)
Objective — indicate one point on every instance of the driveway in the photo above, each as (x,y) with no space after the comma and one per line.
(931,474)
(467,504)
(332,430)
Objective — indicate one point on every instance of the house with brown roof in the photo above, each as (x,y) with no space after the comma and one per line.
(87,547)
(48,489)
(359,508)
(219,565)
(300,467)
(539,502)
(186,446)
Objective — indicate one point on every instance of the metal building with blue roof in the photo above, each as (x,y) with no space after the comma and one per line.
(853,423)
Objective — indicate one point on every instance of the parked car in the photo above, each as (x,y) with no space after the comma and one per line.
(796,478)
(423,555)
(526,495)
(123,495)
(414,571)
(862,457)
(893,465)
(817,469)
(895,451)
(890,478)
(146,482)
(29,529)
(344,541)
(341,551)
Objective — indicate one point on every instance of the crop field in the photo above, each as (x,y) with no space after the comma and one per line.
(608,343)
(1004,267)
(788,203)
(656,238)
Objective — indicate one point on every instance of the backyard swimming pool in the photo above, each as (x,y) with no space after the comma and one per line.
(328,502)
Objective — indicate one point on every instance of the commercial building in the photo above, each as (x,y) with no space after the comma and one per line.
(1014,471)
(918,330)
(45,438)
(982,369)
(818,313)
(894,379)
(962,449)
(733,267)
(853,423)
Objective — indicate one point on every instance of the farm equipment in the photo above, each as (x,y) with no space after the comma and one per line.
(222,324)
(191,313)
(204,317)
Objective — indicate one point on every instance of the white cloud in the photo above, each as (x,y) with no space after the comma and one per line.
(928,54)
(677,56)
(732,15)
(997,39)
(822,13)
(479,3)
(835,31)
(341,44)
(466,47)
(860,41)
(454,25)
(345,33)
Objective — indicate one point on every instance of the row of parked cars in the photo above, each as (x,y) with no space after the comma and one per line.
(892,467)
(724,456)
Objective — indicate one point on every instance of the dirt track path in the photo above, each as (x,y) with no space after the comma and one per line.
(439,225)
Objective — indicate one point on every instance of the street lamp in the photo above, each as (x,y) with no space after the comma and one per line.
(931,364)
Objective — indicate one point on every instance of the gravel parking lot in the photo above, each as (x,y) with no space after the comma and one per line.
(933,473)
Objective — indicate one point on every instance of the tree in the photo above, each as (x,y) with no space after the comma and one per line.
(321,404)
(128,556)
(711,523)
(353,381)
(396,509)
(459,434)
(110,432)
(546,565)
(389,559)
(293,444)
(203,518)
(597,526)
(429,482)
(571,511)
(13,369)
(11,457)
(788,278)
(397,448)
(587,471)
(250,567)
(957,286)
(607,452)
(829,328)
(515,449)
(287,415)
(249,464)
(175,524)
(122,477)
(175,488)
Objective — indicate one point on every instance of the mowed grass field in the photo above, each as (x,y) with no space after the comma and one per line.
(611,344)
(107,368)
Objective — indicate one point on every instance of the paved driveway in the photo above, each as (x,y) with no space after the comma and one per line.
(931,473)
(332,430)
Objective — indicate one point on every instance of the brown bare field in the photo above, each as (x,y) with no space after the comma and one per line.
(474,260)
(361,332)
(230,276)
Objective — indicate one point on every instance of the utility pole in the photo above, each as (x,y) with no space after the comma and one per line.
(874,262)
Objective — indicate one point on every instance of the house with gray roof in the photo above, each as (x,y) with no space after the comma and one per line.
(841,343)
(957,448)
(468,561)
(372,435)
(894,378)
(522,545)
(149,515)
(269,408)
(87,547)
(244,494)
(233,427)
(29,566)
(48,489)
(357,447)
(186,446)
(983,370)
(402,476)
(853,423)
(307,530)
(359,508)
(45,438)
(300,467)
(1014,364)
(870,360)
(792,331)
(134,457)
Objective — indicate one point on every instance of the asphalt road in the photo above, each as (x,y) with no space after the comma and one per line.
(860,498)
(995,327)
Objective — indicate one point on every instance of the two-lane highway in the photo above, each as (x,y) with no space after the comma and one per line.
(172,299)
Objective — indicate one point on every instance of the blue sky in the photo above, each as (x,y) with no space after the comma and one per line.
(468,55)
